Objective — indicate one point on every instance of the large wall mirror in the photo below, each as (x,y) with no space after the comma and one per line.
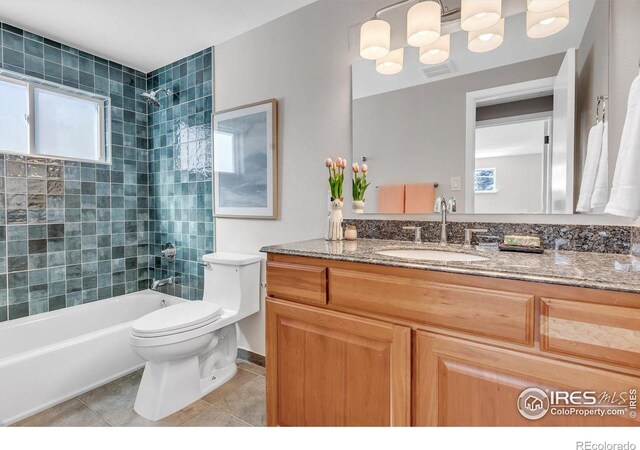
(503,131)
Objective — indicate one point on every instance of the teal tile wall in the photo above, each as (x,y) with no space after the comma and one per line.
(180,172)
(72,233)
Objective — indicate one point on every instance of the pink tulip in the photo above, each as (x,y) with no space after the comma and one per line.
(355,168)
(329,163)
(339,162)
(365,168)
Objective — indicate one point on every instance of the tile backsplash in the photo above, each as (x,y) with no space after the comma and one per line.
(72,233)
(581,238)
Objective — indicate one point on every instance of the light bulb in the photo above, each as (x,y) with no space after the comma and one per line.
(392,63)
(375,39)
(540,6)
(437,52)
(486,40)
(423,23)
(540,25)
(476,15)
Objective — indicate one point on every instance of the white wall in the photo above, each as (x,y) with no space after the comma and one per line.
(302,60)
(518,184)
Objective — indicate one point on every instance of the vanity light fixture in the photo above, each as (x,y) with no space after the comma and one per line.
(479,15)
(437,52)
(375,39)
(540,25)
(486,40)
(540,6)
(423,23)
(392,63)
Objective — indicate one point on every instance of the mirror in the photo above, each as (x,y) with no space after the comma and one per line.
(504,131)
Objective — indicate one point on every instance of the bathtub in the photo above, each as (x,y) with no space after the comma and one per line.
(49,358)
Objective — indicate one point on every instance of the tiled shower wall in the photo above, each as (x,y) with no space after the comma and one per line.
(70,232)
(180,172)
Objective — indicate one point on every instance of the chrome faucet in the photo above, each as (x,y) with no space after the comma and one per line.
(159,283)
(443,206)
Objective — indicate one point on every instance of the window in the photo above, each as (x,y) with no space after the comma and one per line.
(485,180)
(45,119)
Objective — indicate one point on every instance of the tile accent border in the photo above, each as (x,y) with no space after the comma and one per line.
(580,238)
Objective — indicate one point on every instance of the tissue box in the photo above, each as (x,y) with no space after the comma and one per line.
(522,241)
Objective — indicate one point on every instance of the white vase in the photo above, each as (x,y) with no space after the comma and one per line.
(358,207)
(334,231)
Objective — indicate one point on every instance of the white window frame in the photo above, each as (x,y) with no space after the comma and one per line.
(104,115)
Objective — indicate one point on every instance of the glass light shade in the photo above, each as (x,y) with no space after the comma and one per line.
(540,6)
(476,15)
(423,23)
(392,63)
(437,52)
(375,39)
(487,40)
(540,25)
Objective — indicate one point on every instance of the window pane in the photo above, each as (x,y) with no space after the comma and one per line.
(223,151)
(66,126)
(14,129)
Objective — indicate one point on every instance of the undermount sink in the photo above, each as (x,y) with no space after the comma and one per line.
(431,255)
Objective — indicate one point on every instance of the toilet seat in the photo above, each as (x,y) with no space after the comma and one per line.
(176,319)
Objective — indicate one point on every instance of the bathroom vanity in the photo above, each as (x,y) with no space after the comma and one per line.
(357,338)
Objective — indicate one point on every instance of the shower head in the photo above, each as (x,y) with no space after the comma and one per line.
(151,97)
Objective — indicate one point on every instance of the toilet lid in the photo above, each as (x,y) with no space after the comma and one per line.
(177,317)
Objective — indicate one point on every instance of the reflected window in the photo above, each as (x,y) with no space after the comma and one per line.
(485,180)
(224,155)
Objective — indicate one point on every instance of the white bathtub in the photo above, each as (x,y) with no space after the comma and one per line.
(49,358)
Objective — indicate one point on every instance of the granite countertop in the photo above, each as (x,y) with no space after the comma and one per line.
(582,269)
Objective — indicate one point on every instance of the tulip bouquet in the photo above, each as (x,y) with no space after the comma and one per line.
(359,182)
(336,176)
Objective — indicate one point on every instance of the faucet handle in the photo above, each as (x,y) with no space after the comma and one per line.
(437,207)
(468,234)
(418,233)
(452,205)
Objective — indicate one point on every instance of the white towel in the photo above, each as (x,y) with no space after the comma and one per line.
(590,170)
(625,193)
(601,187)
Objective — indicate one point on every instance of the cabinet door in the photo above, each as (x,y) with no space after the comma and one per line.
(332,369)
(458,383)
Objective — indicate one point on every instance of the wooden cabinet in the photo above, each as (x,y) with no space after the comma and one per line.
(331,369)
(460,383)
(353,344)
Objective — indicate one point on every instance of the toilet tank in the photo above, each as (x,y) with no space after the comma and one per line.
(232,280)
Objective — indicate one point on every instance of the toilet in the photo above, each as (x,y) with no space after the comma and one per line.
(191,347)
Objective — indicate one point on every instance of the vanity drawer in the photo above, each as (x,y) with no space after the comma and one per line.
(498,314)
(600,332)
(297,282)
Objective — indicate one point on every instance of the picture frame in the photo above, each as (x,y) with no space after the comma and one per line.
(245,161)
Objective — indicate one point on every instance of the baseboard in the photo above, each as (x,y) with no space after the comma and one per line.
(250,356)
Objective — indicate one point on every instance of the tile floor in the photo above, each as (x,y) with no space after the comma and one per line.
(238,403)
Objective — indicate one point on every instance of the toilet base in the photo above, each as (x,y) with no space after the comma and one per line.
(168,387)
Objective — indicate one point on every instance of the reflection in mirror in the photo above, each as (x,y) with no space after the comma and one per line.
(504,131)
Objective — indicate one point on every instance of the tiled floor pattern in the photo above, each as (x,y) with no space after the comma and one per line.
(238,403)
